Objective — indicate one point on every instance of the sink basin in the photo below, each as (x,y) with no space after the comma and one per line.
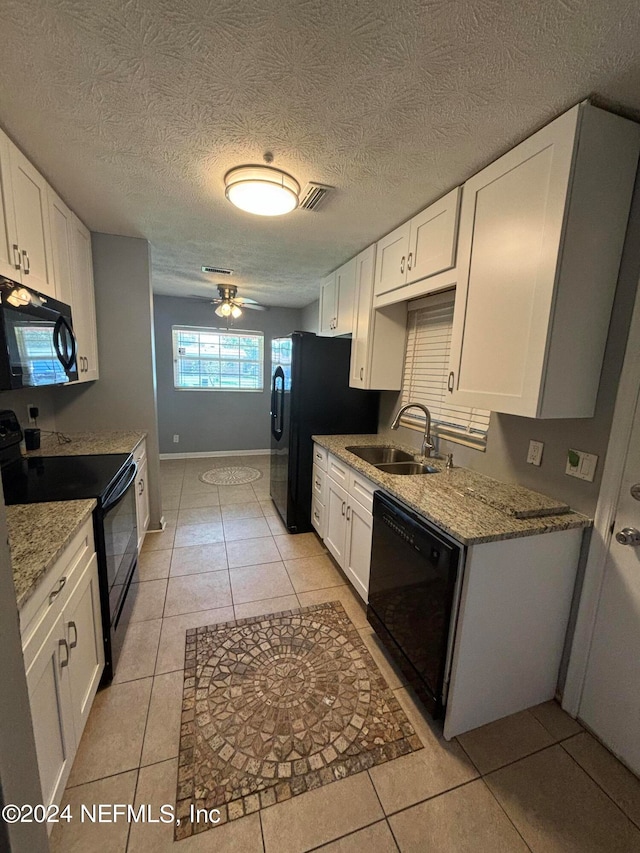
(376,454)
(406,468)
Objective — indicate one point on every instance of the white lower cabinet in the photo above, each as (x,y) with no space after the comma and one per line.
(142,492)
(344,520)
(64,658)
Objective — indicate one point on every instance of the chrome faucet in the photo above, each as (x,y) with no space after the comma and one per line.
(427,444)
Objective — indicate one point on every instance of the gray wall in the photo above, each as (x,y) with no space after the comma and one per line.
(209,421)
(19,778)
(44,398)
(310,317)
(124,396)
(508,441)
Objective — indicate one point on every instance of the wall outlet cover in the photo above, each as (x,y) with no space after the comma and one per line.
(176,439)
(534,456)
(581,465)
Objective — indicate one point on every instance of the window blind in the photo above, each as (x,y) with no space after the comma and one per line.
(426,371)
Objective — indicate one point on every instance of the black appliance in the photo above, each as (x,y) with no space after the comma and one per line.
(412,589)
(310,394)
(37,344)
(110,479)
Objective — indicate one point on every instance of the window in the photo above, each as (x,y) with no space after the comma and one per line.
(426,372)
(217,359)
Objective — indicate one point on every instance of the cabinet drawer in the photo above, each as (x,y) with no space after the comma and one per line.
(58,582)
(338,471)
(318,485)
(320,457)
(318,516)
(362,490)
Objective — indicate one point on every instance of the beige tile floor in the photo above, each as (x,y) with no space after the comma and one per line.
(533,781)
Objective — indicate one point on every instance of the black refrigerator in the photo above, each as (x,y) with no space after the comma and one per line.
(310,395)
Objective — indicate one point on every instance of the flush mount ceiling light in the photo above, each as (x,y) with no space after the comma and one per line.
(263,190)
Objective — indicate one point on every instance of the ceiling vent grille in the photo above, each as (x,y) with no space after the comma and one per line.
(314,195)
(217,270)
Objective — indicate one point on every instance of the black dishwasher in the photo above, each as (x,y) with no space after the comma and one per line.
(411,593)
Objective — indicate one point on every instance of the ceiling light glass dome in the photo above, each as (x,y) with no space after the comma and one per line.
(262,190)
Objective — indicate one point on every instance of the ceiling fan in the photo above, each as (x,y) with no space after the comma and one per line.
(230,305)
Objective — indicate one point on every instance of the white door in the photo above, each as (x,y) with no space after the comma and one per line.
(362,317)
(328,305)
(10,261)
(83,626)
(142,500)
(345,293)
(358,548)
(83,304)
(610,703)
(32,223)
(336,520)
(434,233)
(391,260)
(61,222)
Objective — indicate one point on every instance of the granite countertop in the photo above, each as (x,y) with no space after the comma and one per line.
(469,506)
(88,443)
(38,534)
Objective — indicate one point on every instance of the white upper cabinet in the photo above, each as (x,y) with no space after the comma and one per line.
(328,314)
(378,342)
(541,235)
(83,302)
(422,247)
(337,296)
(10,262)
(33,234)
(61,223)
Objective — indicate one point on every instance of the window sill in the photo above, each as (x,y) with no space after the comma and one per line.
(473,440)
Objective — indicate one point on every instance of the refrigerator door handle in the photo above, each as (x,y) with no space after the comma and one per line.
(277,415)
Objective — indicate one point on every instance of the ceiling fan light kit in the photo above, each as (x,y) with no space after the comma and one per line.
(262,190)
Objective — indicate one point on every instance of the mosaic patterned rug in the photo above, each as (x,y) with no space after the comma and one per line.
(277,705)
(232,475)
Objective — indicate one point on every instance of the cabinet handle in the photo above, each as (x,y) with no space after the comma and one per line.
(65,662)
(348,513)
(362,373)
(16,257)
(86,364)
(26,265)
(410,261)
(450,382)
(141,487)
(316,515)
(75,633)
(58,589)
(402,264)
(344,503)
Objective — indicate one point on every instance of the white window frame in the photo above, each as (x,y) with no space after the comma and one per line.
(223,333)
(426,373)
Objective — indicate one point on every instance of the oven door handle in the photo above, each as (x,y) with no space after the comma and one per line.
(115,495)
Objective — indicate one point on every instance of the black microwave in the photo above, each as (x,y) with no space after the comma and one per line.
(37,344)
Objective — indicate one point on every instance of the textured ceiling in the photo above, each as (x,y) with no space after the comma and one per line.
(135,109)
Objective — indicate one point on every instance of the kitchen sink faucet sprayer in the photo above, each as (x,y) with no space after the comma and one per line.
(427,444)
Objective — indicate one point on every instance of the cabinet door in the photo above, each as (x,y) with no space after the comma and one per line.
(83,628)
(335,522)
(362,317)
(47,659)
(32,223)
(83,303)
(345,295)
(61,222)
(434,233)
(328,305)
(511,225)
(10,259)
(391,260)
(142,500)
(358,547)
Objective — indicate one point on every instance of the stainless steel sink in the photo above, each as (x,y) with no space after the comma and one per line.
(406,468)
(378,453)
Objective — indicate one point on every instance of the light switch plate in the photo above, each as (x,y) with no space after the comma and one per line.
(534,456)
(581,465)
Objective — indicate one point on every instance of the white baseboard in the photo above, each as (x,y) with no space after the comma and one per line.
(215,453)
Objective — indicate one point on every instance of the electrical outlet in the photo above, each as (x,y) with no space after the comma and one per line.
(534,456)
(176,438)
(581,465)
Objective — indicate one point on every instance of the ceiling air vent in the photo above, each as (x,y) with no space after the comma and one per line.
(314,195)
(217,270)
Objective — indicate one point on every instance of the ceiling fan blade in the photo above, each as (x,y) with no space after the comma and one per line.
(254,306)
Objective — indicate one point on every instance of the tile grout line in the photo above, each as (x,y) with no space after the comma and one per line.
(507,815)
(594,780)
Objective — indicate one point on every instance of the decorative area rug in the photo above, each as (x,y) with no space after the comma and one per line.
(233,475)
(277,705)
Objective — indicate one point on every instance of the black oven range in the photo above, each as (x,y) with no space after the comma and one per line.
(109,479)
